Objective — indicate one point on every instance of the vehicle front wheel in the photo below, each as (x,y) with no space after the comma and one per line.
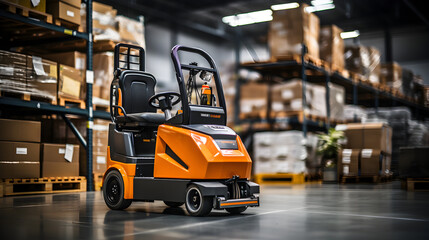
(196,203)
(113,191)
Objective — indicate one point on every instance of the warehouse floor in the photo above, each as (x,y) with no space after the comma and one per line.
(296,212)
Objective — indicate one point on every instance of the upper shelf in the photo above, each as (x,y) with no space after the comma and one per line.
(47,108)
(19,30)
(318,73)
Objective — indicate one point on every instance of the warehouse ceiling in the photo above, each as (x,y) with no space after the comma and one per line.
(206,15)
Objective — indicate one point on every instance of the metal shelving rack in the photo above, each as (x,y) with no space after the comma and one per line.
(378,97)
(64,34)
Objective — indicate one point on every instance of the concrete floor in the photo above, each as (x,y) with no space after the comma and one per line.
(295,212)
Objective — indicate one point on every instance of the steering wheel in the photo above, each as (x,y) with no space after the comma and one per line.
(165,100)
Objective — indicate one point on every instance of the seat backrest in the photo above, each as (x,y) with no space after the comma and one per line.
(136,89)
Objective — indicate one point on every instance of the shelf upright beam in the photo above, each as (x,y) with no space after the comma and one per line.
(355,99)
(376,103)
(89,82)
(328,105)
(237,47)
(304,82)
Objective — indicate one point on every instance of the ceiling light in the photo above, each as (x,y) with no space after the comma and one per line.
(321,2)
(320,7)
(248,18)
(352,34)
(285,6)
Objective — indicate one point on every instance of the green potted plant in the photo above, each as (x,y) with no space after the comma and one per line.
(328,147)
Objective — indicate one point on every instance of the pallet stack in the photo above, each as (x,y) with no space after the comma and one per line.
(367,154)
(29,166)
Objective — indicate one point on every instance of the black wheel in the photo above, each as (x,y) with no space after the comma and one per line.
(236,210)
(113,191)
(196,204)
(173,204)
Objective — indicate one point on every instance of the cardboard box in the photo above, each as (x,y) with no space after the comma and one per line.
(368,135)
(331,45)
(348,162)
(374,65)
(13,68)
(70,82)
(64,11)
(41,6)
(101,8)
(19,160)
(42,77)
(73,59)
(292,27)
(74,3)
(131,30)
(254,98)
(103,73)
(288,97)
(357,59)
(19,130)
(391,75)
(54,163)
(372,162)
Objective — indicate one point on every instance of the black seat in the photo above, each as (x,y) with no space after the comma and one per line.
(136,89)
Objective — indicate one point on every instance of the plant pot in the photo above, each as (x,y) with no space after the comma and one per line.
(330,175)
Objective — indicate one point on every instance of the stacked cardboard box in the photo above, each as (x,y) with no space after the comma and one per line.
(108,26)
(374,142)
(285,152)
(59,160)
(103,74)
(391,75)
(254,99)
(374,65)
(348,162)
(34,5)
(42,77)
(280,152)
(12,72)
(398,118)
(287,97)
(131,30)
(20,149)
(71,82)
(290,28)
(364,61)
(65,10)
(99,143)
(331,46)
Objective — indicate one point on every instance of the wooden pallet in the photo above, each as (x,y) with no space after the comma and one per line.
(279,178)
(297,58)
(25,12)
(70,102)
(415,184)
(300,114)
(27,96)
(365,179)
(101,107)
(98,181)
(12,187)
(67,24)
(254,115)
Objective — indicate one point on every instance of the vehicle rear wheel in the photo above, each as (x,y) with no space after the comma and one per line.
(196,203)
(113,191)
(173,204)
(236,210)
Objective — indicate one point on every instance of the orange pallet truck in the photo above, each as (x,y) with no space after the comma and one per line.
(185,155)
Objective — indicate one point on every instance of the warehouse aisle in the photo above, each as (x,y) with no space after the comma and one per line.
(298,212)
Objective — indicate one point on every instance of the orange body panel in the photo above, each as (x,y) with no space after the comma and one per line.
(120,101)
(127,170)
(200,153)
